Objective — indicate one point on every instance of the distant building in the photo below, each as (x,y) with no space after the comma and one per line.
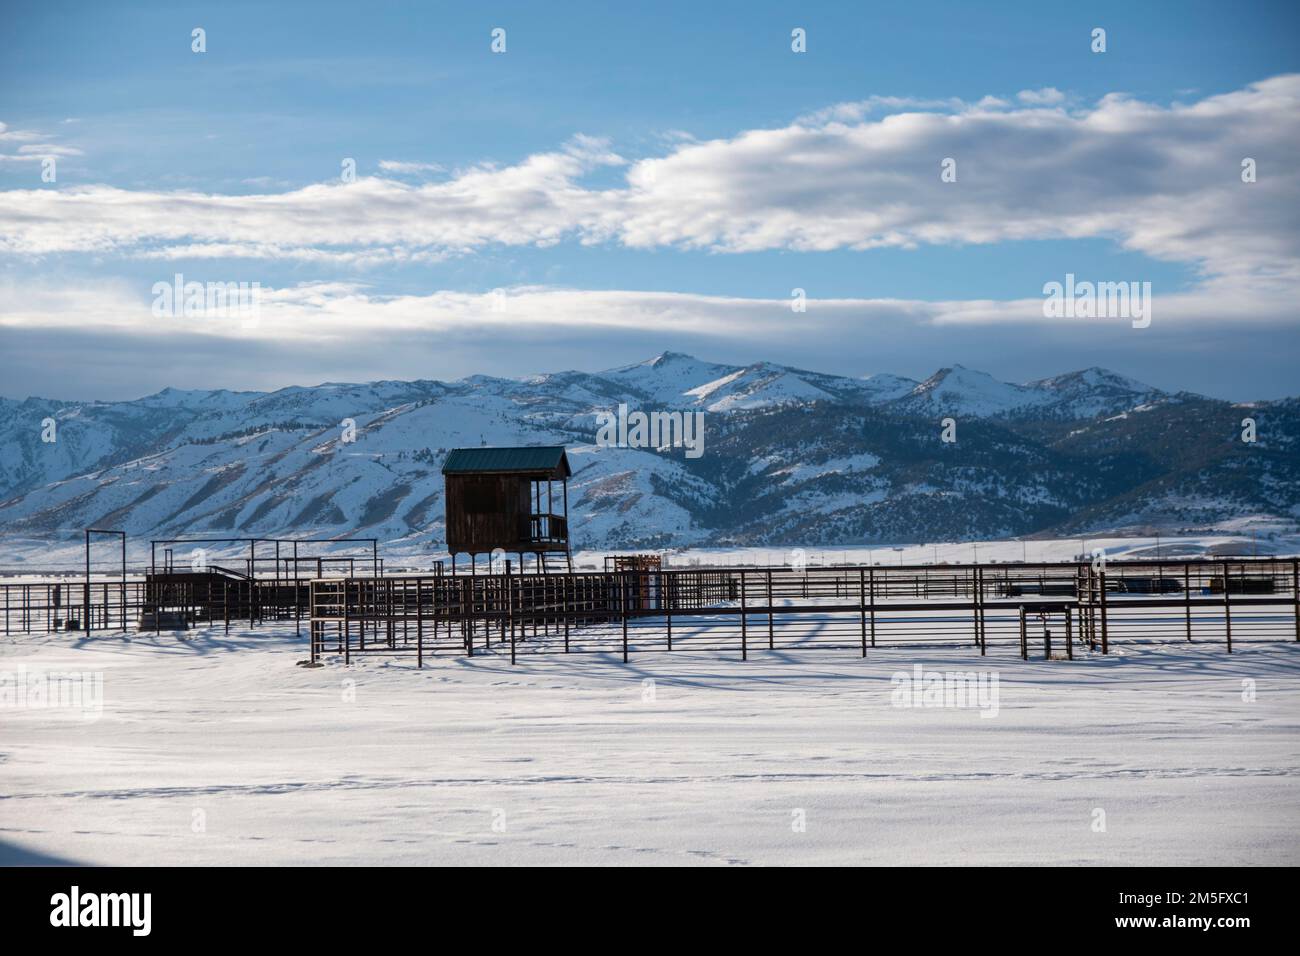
(512,499)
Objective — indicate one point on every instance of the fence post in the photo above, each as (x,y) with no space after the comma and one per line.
(771,639)
(1187,598)
(391,626)
(871,572)
(1091,590)
(1227,608)
(1024,641)
(744,620)
(419,608)
(979,608)
(1105,634)
(671,582)
(86,594)
(466,617)
(984,626)
(419,623)
(1295,593)
(622,601)
(510,611)
(365,601)
(347,629)
(1069,637)
(862,607)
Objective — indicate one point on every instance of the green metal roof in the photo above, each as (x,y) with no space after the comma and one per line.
(543,459)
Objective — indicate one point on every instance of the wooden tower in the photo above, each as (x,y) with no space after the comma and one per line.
(508,498)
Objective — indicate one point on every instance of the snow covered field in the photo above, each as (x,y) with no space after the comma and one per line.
(1117,548)
(221,750)
(32,559)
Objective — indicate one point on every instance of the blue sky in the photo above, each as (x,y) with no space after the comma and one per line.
(285,92)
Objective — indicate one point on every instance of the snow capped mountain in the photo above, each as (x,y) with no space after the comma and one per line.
(790,456)
(959,391)
(962,391)
(1096,391)
(758,386)
(666,378)
(883,387)
(173,398)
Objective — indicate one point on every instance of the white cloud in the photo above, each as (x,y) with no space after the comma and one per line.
(1047,96)
(38,150)
(857,110)
(533,202)
(402,166)
(1161,180)
(101,340)
(347,311)
(8,135)
(32,146)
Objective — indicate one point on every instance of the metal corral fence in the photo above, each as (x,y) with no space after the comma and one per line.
(1028,608)
(153,602)
(68,604)
(1045,608)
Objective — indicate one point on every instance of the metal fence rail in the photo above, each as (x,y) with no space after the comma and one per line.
(723,610)
(745,609)
(37,607)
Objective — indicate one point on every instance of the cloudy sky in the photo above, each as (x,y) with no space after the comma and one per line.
(625,179)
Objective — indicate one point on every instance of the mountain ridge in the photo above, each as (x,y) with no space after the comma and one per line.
(790,455)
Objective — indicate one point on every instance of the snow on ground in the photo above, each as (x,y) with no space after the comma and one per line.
(220,750)
(30,557)
(1117,548)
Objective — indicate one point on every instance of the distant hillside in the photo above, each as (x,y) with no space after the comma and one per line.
(791,456)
